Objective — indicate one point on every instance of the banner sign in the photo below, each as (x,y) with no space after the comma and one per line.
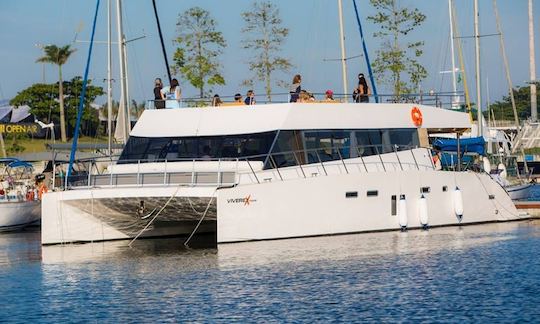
(8,128)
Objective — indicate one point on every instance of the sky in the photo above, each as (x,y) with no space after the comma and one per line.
(313,39)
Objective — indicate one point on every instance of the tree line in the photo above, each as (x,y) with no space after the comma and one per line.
(200,45)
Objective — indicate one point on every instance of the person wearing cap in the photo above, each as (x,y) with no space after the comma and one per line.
(329,95)
(238,99)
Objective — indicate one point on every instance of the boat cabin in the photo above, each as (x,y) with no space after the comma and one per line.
(292,133)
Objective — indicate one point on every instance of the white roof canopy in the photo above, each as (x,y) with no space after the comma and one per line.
(215,121)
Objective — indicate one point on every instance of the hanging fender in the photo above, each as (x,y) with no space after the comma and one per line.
(458,203)
(423,211)
(402,212)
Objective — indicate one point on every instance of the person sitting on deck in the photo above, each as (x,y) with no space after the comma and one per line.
(238,98)
(250,98)
(216,101)
(329,95)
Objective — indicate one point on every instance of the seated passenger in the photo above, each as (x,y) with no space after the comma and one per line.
(329,95)
(250,98)
(216,101)
(303,96)
(238,98)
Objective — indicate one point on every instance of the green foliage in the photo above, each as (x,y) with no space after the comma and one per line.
(503,109)
(59,56)
(397,64)
(264,37)
(13,143)
(56,55)
(199,46)
(44,104)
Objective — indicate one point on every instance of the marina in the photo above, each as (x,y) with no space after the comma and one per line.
(255,182)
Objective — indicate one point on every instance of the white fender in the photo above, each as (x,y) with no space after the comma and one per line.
(402,212)
(423,211)
(503,174)
(458,203)
(487,164)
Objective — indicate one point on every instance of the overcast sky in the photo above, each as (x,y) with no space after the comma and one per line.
(314,37)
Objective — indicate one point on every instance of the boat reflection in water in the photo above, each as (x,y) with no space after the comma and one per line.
(328,248)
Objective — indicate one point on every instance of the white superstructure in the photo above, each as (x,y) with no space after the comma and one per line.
(275,171)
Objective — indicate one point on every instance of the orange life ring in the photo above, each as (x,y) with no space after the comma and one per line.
(416,116)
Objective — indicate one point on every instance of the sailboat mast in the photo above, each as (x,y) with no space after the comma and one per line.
(123,85)
(109,76)
(343,56)
(478,81)
(532,67)
(506,66)
(455,99)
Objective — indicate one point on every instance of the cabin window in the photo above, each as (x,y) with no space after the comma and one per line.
(211,147)
(327,145)
(372,193)
(351,194)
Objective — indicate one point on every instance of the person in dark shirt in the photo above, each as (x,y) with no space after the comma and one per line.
(159,103)
(361,92)
(250,98)
(296,87)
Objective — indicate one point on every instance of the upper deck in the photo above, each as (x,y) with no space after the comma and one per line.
(231,120)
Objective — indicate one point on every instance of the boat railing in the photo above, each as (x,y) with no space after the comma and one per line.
(448,100)
(222,172)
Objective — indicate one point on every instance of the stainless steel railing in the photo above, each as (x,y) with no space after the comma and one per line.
(255,169)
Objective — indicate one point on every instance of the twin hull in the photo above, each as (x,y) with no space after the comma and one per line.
(320,205)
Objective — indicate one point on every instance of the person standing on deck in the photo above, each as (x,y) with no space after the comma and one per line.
(172,94)
(362,92)
(158,99)
(295,88)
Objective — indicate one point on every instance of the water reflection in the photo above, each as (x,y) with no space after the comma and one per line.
(335,248)
(485,272)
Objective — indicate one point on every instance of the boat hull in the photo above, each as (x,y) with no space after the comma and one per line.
(311,206)
(90,215)
(358,203)
(520,192)
(17,215)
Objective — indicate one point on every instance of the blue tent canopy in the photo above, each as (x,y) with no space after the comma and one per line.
(467,145)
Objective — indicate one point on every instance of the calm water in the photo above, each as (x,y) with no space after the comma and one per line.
(475,273)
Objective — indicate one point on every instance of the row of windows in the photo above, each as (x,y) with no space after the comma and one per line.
(310,146)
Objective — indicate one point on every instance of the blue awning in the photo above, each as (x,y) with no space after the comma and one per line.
(467,145)
(15,163)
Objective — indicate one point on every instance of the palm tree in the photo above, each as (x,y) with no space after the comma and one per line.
(59,56)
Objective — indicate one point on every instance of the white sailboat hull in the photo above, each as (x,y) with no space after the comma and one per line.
(17,215)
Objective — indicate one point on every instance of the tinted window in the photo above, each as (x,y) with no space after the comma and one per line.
(211,147)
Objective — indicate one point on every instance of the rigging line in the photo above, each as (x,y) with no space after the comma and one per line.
(161,40)
(202,218)
(135,59)
(364,47)
(82,97)
(462,63)
(154,218)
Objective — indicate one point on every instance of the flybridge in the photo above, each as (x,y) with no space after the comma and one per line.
(216,121)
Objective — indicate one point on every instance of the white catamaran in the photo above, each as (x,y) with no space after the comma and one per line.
(275,171)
